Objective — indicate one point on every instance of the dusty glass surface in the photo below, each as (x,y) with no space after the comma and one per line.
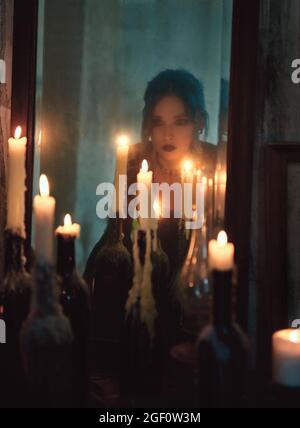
(95,58)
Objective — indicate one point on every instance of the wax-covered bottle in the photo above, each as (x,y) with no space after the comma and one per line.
(74,298)
(144,341)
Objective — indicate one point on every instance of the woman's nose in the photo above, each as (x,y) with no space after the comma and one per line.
(169,132)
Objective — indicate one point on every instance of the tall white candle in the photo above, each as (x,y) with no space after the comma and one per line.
(187,178)
(145,177)
(44,207)
(121,169)
(221,253)
(209,204)
(154,224)
(220,190)
(286,358)
(16,183)
(205,193)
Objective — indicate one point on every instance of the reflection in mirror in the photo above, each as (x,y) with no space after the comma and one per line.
(95,60)
(156,72)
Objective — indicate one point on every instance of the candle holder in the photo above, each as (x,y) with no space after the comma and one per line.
(15,294)
(75,301)
(46,343)
(222,352)
(144,334)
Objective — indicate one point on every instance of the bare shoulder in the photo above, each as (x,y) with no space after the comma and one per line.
(206,154)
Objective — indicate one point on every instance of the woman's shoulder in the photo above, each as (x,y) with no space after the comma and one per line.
(206,155)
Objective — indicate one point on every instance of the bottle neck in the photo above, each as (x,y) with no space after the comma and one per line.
(222,292)
(115,230)
(14,253)
(45,299)
(66,262)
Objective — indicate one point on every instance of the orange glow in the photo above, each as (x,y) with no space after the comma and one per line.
(122,140)
(188,166)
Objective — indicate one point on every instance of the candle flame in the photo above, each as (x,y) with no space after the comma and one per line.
(187,165)
(290,335)
(295,336)
(68,220)
(222,239)
(204,181)
(145,166)
(122,140)
(44,186)
(18,132)
(210,182)
(40,139)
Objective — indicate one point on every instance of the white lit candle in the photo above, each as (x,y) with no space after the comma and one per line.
(154,225)
(44,207)
(220,191)
(145,177)
(209,203)
(69,229)
(121,169)
(187,179)
(16,183)
(221,253)
(286,358)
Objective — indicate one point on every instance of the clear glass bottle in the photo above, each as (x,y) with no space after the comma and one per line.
(194,286)
(222,352)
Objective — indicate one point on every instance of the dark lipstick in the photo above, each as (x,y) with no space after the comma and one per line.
(169,148)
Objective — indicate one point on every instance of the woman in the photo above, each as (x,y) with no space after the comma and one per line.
(174,120)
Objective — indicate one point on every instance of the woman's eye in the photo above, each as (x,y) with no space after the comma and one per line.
(182,122)
(157,123)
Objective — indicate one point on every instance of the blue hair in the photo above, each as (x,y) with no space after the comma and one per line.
(182,84)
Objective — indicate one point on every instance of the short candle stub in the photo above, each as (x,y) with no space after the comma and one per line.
(286,358)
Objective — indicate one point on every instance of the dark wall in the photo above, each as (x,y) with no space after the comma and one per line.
(277,122)
(6,16)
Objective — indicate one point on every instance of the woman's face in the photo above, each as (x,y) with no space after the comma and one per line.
(172,129)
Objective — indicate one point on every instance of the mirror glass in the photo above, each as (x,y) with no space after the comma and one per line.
(95,60)
(135,88)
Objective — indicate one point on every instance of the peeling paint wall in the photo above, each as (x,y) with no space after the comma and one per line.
(6,26)
(278,121)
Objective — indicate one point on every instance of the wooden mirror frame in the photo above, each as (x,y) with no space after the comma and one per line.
(241,121)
